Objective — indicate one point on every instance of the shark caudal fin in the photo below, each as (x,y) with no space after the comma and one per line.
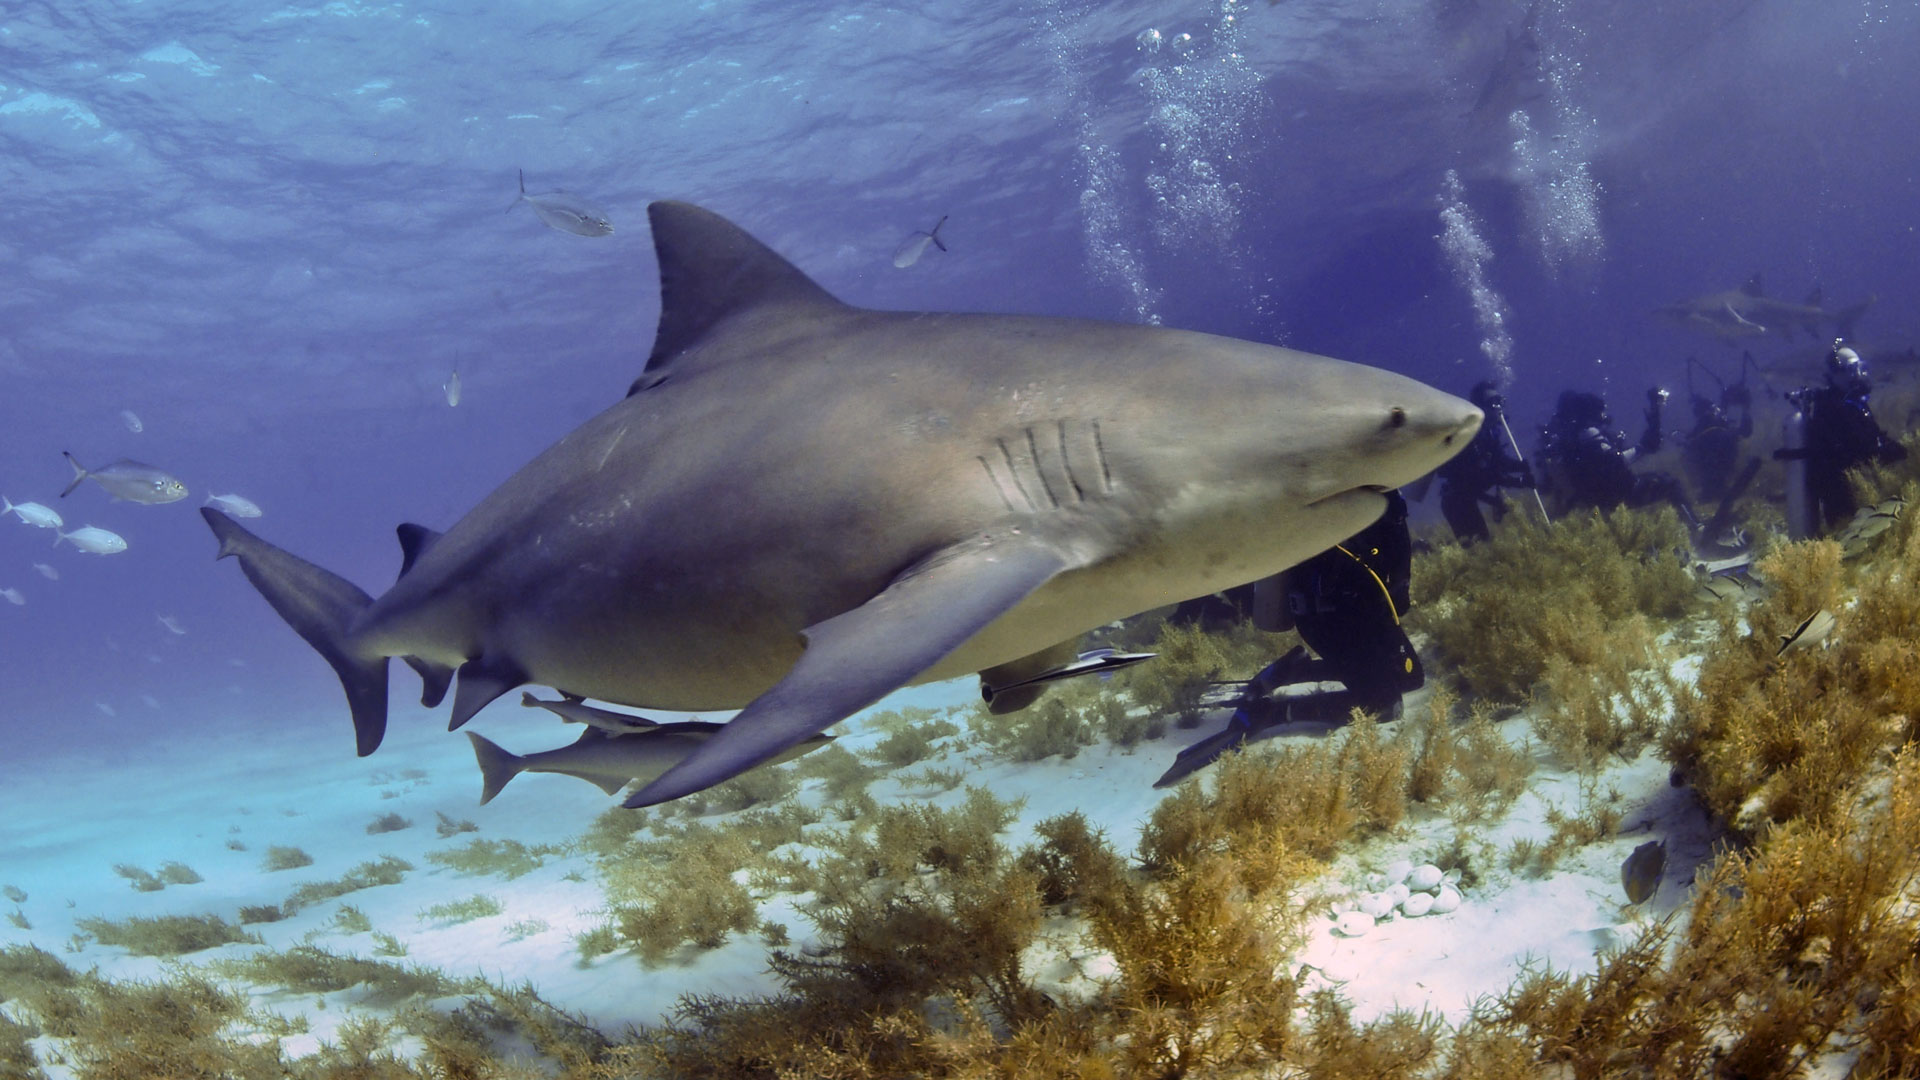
(497,766)
(320,606)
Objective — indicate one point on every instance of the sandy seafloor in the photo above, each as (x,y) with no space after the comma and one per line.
(299,784)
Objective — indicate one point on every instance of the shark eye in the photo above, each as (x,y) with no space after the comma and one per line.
(1397,418)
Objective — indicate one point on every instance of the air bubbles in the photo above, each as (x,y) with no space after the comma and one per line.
(1150,40)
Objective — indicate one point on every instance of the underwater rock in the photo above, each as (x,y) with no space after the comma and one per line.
(1398,893)
(1640,873)
(1397,871)
(1447,899)
(1376,905)
(1425,877)
(1417,905)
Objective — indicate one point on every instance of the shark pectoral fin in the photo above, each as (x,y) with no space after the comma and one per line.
(320,606)
(434,680)
(482,679)
(858,657)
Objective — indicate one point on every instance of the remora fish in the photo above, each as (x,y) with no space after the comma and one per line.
(236,505)
(915,245)
(962,491)
(129,480)
(47,572)
(44,517)
(133,422)
(610,761)
(1749,312)
(452,389)
(94,541)
(13,597)
(574,711)
(565,212)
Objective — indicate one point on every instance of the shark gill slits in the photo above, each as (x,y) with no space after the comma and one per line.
(1066,464)
(1013,471)
(1033,455)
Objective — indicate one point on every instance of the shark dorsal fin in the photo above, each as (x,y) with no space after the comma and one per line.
(710,270)
(414,541)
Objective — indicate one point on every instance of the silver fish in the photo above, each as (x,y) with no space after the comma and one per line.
(1812,631)
(129,480)
(94,541)
(565,212)
(133,422)
(235,505)
(1640,873)
(44,517)
(13,597)
(915,245)
(47,572)
(452,388)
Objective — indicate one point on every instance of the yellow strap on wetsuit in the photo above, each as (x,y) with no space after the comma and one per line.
(1342,548)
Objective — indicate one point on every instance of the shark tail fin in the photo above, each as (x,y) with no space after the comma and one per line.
(935,234)
(523,193)
(320,606)
(497,766)
(79,474)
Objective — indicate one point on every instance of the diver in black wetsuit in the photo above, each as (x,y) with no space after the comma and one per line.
(1841,434)
(1474,476)
(1590,464)
(1346,602)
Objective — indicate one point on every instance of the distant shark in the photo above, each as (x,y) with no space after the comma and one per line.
(1748,312)
(801,506)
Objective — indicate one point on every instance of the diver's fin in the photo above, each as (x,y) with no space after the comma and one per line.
(414,542)
(434,680)
(858,657)
(497,766)
(320,606)
(482,679)
(79,474)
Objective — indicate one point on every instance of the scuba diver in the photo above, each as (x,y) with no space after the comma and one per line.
(1833,430)
(1473,476)
(1712,448)
(1346,602)
(1590,464)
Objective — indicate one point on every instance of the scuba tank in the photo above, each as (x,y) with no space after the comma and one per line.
(1793,438)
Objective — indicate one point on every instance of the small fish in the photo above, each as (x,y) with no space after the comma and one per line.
(133,422)
(1890,507)
(171,623)
(915,245)
(94,541)
(151,701)
(574,711)
(47,572)
(1724,588)
(44,517)
(129,480)
(565,212)
(105,708)
(452,387)
(234,505)
(1812,631)
(1640,874)
(610,762)
(13,597)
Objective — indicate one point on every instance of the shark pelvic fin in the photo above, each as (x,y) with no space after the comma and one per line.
(482,679)
(320,606)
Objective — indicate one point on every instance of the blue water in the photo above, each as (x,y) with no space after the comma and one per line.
(272,231)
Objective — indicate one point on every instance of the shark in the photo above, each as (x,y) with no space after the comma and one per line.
(802,505)
(1748,312)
